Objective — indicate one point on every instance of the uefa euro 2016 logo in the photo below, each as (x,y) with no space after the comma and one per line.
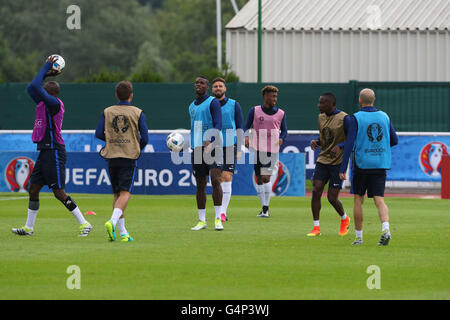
(430,158)
(280,179)
(375,132)
(18,173)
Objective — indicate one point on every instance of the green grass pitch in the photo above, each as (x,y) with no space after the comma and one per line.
(253,258)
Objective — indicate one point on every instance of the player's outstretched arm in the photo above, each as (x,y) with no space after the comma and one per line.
(37,92)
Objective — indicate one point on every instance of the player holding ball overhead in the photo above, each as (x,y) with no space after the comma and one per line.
(50,166)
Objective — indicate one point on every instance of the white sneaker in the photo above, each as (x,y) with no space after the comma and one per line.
(200,225)
(85,229)
(263,215)
(218,223)
(24,231)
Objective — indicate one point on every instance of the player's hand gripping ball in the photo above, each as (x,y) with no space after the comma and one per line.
(175,142)
(58,64)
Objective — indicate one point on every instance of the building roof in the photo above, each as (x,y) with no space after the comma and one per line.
(344,15)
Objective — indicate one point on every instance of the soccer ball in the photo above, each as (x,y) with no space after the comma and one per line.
(175,142)
(59,64)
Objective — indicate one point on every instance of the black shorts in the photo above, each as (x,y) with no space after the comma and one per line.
(122,178)
(373,183)
(50,169)
(202,163)
(327,172)
(265,163)
(229,158)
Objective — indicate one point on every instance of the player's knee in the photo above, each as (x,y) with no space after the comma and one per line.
(33,192)
(201,183)
(60,194)
(215,181)
(332,198)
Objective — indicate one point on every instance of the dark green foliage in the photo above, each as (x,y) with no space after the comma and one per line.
(146,40)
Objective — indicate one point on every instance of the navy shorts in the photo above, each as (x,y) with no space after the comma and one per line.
(373,183)
(265,163)
(122,178)
(50,169)
(202,163)
(229,158)
(327,172)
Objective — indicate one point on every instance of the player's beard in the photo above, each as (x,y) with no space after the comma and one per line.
(219,96)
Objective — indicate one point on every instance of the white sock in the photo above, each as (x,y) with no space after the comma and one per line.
(78,215)
(385,226)
(259,189)
(267,187)
(218,210)
(31,218)
(226,189)
(344,216)
(117,213)
(202,215)
(359,233)
(121,225)
(316,223)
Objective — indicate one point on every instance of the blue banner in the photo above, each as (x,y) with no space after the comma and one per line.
(415,158)
(87,142)
(418,158)
(156,174)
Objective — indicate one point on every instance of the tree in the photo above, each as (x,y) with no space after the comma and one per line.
(111,35)
(188,33)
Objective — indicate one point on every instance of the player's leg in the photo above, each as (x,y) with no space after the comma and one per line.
(319,179)
(265,186)
(268,162)
(230,157)
(217,195)
(316,203)
(360,186)
(334,188)
(124,235)
(226,183)
(37,181)
(376,190)
(358,202)
(200,196)
(33,208)
(69,203)
(122,179)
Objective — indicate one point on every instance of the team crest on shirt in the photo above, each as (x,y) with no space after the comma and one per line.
(121,123)
(327,135)
(280,179)
(430,158)
(375,132)
(17,174)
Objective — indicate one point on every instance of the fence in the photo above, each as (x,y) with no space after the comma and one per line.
(412,106)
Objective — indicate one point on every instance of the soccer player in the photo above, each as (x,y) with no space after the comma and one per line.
(333,125)
(370,137)
(124,129)
(50,166)
(231,121)
(267,121)
(206,124)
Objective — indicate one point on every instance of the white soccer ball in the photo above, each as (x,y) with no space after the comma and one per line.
(175,142)
(59,64)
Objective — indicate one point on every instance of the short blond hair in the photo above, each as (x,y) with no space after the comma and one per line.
(269,88)
(367,97)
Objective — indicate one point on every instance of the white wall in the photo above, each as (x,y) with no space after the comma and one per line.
(329,56)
